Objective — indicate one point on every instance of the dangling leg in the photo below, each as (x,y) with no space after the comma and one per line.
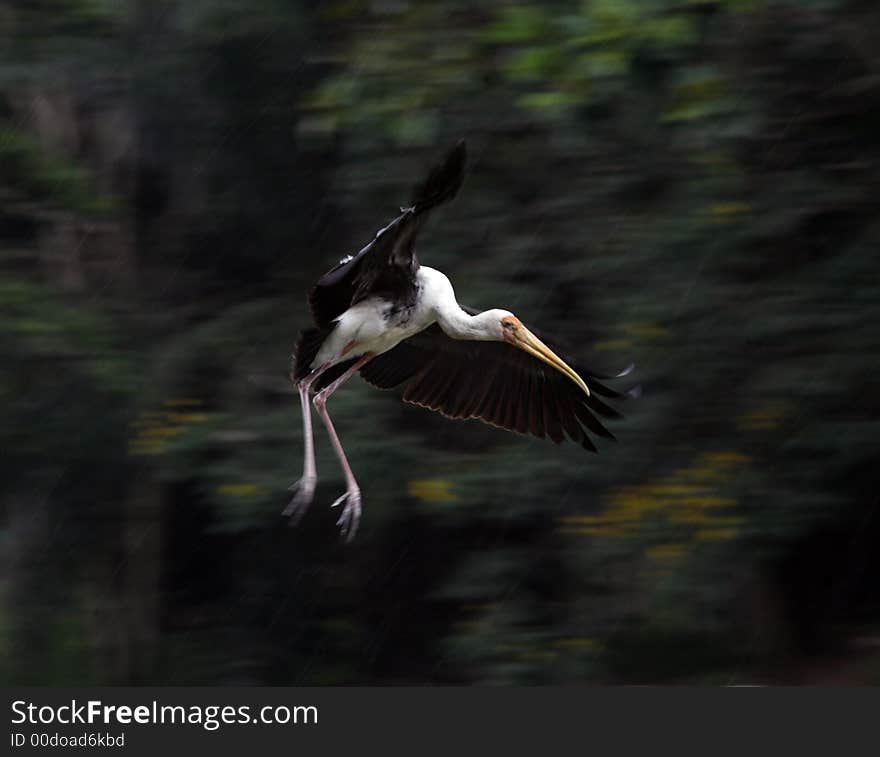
(304,489)
(351,513)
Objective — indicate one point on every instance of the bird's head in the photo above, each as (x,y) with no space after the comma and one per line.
(511,330)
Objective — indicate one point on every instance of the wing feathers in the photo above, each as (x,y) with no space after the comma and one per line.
(495,383)
(591,422)
(569,419)
(515,402)
(552,422)
(536,411)
(443,182)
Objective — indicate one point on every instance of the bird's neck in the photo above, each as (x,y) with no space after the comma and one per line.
(458,324)
(455,322)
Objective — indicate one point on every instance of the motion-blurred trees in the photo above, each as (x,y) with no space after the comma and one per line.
(686,185)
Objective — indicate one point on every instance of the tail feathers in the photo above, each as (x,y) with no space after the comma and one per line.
(443,182)
(306,351)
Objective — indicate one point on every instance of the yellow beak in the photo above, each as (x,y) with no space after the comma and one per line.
(527,341)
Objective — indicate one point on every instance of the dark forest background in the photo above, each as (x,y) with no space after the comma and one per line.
(690,185)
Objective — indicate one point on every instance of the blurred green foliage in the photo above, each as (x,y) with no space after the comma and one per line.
(687,185)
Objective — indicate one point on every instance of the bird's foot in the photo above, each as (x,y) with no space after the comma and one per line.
(304,491)
(351,513)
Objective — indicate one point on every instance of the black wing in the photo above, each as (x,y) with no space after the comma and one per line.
(497,384)
(386,267)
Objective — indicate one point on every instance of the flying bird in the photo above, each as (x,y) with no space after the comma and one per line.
(398,324)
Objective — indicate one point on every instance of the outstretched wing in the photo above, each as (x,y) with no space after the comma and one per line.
(497,384)
(386,267)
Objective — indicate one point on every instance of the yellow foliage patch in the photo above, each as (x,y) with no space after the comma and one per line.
(646,330)
(152,429)
(727,212)
(431,490)
(666,552)
(763,419)
(578,643)
(690,498)
(240,490)
(610,345)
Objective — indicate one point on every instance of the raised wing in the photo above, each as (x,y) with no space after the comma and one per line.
(386,267)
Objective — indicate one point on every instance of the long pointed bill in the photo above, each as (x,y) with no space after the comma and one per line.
(527,341)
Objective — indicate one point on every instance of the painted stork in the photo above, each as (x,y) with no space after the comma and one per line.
(398,323)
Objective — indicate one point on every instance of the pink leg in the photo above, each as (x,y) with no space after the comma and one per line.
(351,513)
(304,489)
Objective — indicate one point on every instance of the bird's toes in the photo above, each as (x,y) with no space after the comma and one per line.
(304,491)
(351,514)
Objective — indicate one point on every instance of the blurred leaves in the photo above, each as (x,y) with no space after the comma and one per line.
(29,173)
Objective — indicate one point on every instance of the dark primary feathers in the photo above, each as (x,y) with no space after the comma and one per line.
(443,182)
(495,383)
(386,267)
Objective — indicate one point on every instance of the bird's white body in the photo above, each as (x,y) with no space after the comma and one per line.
(373,326)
